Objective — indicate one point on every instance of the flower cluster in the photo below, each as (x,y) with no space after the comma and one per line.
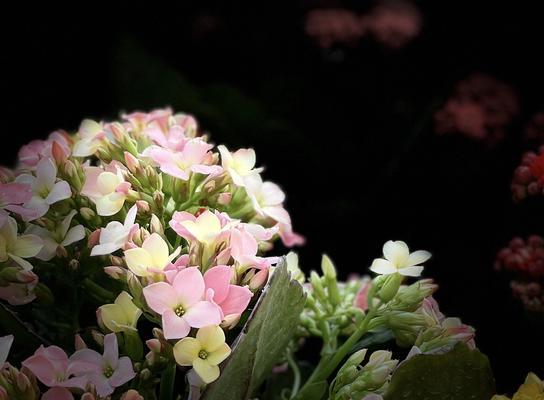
(480,108)
(393,24)
(524,261)
(529,176)
(179,227)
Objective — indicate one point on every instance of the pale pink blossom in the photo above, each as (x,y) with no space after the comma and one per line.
(63,235)
(106,371)
(106,188)
(12,198)
(52,368)
(5,346)
(239,164)
(361,298)
(288,237)
(182,304)
(17,248)
(398,259)
(267,198)
(115,236)
(194,157)
(173,138)
(208,228)
(31,153)
(232,299)
(244,248)
(90,135)
(46,189)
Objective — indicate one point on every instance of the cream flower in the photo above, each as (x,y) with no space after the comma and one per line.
(204,353)
(120,316)
(399,259)
(18,247)
(90,133)
(152,257)
(239,164)
(107,189)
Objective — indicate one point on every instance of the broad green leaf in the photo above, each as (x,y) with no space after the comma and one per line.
(262,340)
(461,374)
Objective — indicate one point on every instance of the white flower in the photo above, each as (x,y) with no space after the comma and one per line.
(107,189)
(18,247)
(399,259)
(267,198)
(45,188)
(90,133)
(239,164)
(115,235)
(63,236)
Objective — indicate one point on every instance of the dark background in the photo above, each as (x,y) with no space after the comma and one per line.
(348,132)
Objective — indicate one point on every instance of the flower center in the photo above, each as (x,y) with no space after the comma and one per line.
(179,311)
(108,372)
(203,354)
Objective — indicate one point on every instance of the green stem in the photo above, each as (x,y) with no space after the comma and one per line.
(327,365)
(98,291)
(167,382)
(296,374)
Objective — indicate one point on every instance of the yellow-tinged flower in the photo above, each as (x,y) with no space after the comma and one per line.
(151,257)
(120,316)
(531,389)
(204,353)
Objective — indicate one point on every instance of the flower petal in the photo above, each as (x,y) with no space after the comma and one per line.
(158,249)
(138,260)
(5,345)
(60,191)
(211,337)
(173,326)
(123,373)
(202,314)
(46,174)
(111,350)
(218,278)
(219,355)
(414,270)
(396,251)
(417,257)
(186,350)
(109,205)
(237,300)
(383,267)
(189,285)
(161,297)
(27,246)
(57,393)
(207,372)
(75,234)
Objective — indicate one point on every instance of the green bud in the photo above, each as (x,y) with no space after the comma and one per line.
(390,287)
(329,271)
(317,286)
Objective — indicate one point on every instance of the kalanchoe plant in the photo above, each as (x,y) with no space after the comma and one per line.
(147,244)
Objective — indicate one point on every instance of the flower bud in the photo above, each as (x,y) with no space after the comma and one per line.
(79,343)
(317,286)
(158,198)
(145,374)
(154,345)
(104,155)
(230,321)
(155,225)
(98,337)
(87,213)
(132,395)
(143,206)
(390,287)
(117,261)
(58,153)
(115,272)
(88,396)
(131,162)
(258,280)
(329,273)
(224,198)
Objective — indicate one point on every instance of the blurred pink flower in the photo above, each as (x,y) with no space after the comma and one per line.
(529,176)
(525,257)
(331,26)
(481,108)
(12,198)
(393,23)
(182,304)
(31,153)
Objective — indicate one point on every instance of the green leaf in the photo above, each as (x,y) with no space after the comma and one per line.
(314,390)
(460,374)
(263,339)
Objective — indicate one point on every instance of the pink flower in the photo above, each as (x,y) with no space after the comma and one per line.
(31,154)
(290,238)
(105,372)
(208,228)
(361,300)
(195,156)
(115,235)
(52,368)
(22,292)
(106,188)
(89,137)
(232,299)
(173,138)
(12,198)
(182,304)
(267,198)
(244,248)
(46,190)
(239,164)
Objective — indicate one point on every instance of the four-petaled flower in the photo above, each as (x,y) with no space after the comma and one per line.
(239,164)
(18,247)
(151,258)
(204,353)
(46,190)
(182,304)
(115,235)
(106,188)
(399,259)
(120,316)
(105,372)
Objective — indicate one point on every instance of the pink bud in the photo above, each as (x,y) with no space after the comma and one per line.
(154,345)
(59,155)
(118,131)
(115,272)
(131,162)
(22,382)
(94,238)
(79,343)
(259,279)
(224,198)
(70,168)
(143,206)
